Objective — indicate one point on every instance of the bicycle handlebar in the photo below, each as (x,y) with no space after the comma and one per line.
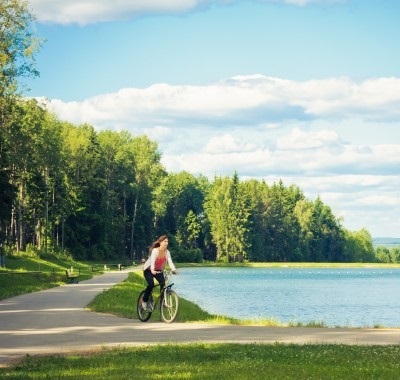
(164,271)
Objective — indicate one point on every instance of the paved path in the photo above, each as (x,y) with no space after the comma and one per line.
(55,321)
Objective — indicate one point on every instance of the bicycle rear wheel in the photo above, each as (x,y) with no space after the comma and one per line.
(169,306)
(143,315)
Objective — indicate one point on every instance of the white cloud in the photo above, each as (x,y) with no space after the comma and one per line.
(380,200)
(299,139)
(243,101)
(91,11)
(158,133)
(228,144)
(304,2)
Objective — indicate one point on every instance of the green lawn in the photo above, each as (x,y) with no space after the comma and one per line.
(218,361)
(21,275)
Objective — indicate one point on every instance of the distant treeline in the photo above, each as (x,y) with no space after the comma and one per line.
(105,195)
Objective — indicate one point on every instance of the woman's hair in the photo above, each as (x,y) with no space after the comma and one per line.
(157,243)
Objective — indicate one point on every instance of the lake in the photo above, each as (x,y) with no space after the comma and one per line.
(353,297)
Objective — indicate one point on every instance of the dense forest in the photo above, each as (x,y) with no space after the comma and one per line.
(104,195)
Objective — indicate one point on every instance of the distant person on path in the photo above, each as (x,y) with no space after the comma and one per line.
(155,264)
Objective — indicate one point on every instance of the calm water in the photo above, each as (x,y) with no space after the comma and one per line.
(338,297)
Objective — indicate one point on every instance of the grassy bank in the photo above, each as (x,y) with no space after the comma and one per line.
(218,361)
(25,274)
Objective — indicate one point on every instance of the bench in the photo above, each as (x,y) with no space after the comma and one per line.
(107,267)
(71,276)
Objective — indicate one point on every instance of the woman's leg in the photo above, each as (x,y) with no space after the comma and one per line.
(160,278)
(150,284)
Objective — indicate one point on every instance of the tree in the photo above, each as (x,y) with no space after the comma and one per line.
(383,255)
(256,194)
(328,239)
(18,45)
(227,211)
(283,229)
(238,241)
(118,171)
(179,201)
(7,192)
(304,212)
(358,247)
(148,174)
(28,165)
(395,254)
(84,168)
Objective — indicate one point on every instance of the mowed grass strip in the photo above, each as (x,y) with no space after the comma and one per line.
(16,278)
(217,361)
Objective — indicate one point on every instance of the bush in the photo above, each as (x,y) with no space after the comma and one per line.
(193,255)
(384,255)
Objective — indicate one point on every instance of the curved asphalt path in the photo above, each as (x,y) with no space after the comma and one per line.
(55,321)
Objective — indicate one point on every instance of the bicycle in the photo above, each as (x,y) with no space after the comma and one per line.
(167,301)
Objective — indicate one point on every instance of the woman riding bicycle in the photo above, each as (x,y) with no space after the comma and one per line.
(154,266)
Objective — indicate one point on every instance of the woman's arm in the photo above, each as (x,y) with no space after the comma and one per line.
(170,263)
(149,264)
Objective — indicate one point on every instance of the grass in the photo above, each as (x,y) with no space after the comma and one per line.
(23,262)
(217,361)
(17,277)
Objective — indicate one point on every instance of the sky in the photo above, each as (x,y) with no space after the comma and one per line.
(303,91)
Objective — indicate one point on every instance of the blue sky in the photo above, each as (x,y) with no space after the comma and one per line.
(307,91)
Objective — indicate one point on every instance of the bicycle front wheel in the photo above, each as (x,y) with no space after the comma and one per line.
(169,306)
(143,314)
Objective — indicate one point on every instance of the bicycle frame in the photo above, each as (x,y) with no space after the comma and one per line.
(153,304)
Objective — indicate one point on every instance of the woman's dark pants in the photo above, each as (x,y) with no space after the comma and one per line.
(150,282)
